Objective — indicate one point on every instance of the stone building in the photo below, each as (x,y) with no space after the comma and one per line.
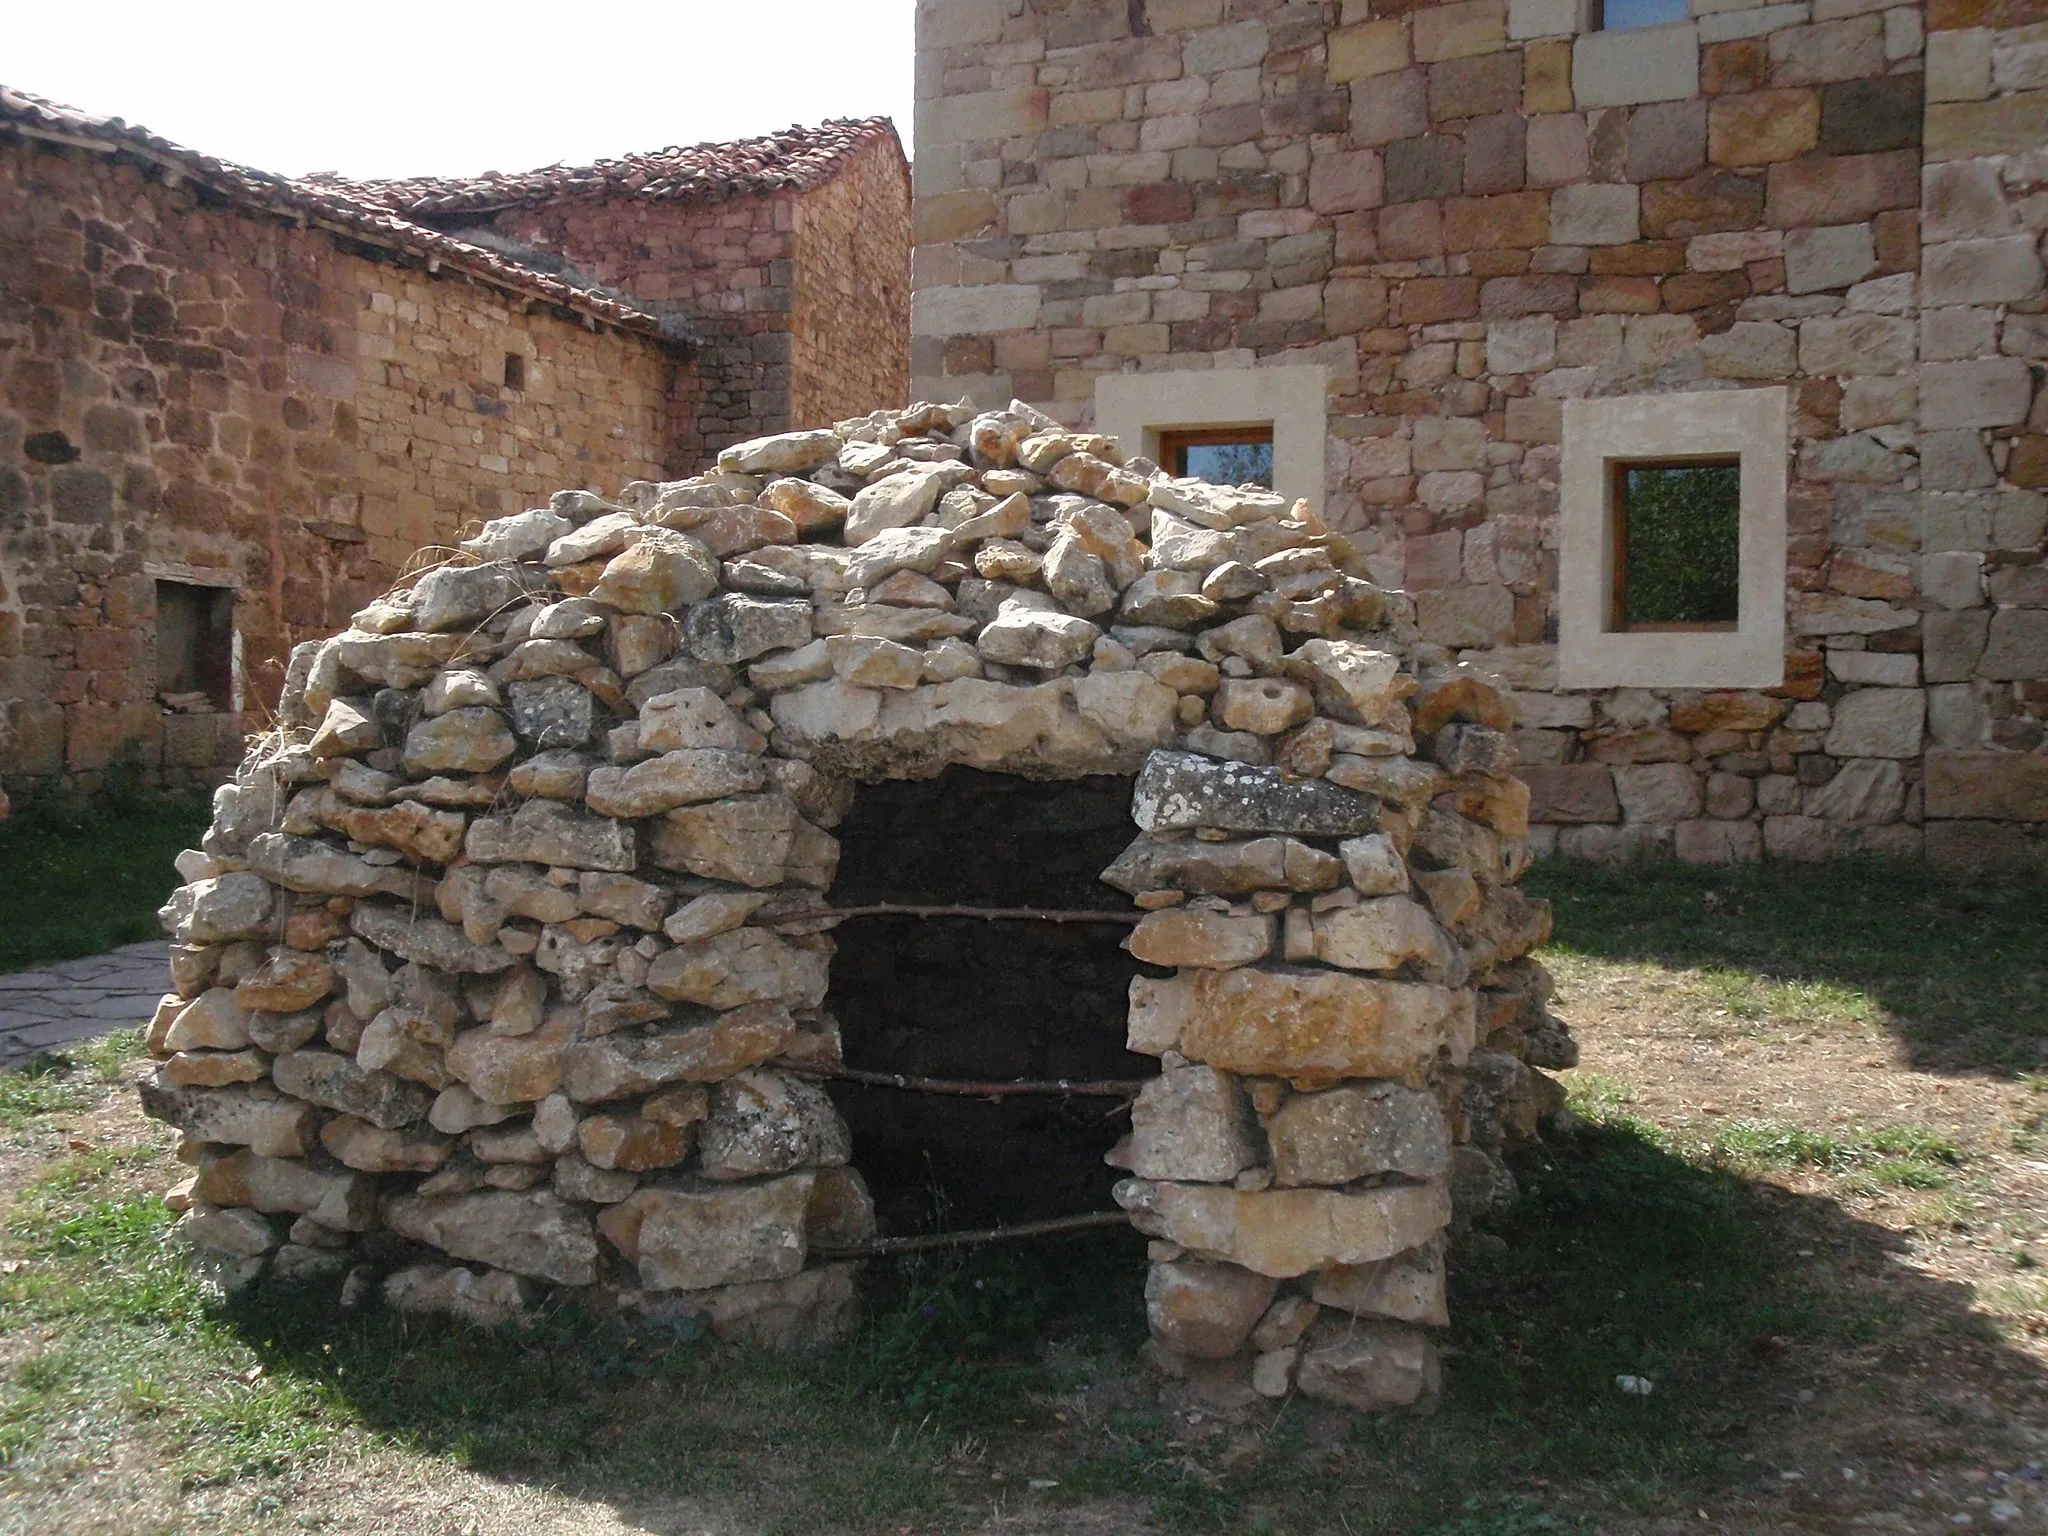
(232,404)
(1486,279)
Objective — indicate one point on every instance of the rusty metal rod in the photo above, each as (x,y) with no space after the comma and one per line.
(1103,1088)
(885,1247)
(987,914)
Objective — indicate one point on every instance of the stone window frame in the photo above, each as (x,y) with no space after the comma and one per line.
(210,576)
(1752,426)
(1135,408)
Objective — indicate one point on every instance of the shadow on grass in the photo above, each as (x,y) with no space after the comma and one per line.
(1957,964)
(83,878)
(1621,1259)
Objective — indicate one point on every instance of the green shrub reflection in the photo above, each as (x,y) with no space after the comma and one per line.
(1680,544)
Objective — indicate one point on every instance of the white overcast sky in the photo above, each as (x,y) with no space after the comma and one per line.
(386,88)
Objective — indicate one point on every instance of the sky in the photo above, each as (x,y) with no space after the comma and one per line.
(375,88)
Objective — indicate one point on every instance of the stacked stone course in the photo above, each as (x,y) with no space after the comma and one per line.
(795,294)
(281,389)
(208,394)
(1471,212)
(502,963)
(1984,421)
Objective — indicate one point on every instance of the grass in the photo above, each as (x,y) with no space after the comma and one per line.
(40,1087)
(1637,1249)
(83,879)
(1623,1257)
(1957,968)
(1900,1156)
(1906,1156)
(2029,1134)
(56,1082)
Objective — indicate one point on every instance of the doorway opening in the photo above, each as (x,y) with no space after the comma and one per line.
(986,1001)
(195,647)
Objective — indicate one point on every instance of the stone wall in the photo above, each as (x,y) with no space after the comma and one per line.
(799,298)
(1984,421)
(502,965)
(850,309)
(725,267)
(1470,212)
(189,389)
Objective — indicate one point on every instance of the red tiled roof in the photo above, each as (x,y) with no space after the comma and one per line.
(375,211)
(34,117)
(792,160)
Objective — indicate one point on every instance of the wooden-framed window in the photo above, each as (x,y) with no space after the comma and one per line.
(1677,559)
(1220,455)
(1621,15)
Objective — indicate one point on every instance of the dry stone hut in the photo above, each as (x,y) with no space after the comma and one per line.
(617,904)
(1495,283)
(233,404)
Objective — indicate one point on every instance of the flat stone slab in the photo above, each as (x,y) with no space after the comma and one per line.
(1178,791)
(80,999)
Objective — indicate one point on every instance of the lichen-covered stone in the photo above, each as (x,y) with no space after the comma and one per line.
(1192,1124)
(1369,1365)
(1178,790)
(716,1047)
(765,1123)
(337,1083)
(1298,1022)
(1189,936)
(739,966)
(254,1116)
(1408,1287)
(1355,1131)
(231,906)
(673,779)
(1233,867)
(535,1233)
(684,1238)
(546,832)
(1203,1309)
(1288,1232)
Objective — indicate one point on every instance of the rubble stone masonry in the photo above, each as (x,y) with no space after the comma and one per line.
(851,291)
(1470,213)
(512,946)
(283,389)
(198,392)
(798,296)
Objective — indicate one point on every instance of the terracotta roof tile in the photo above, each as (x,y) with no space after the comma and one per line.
(376,211)
(792,160)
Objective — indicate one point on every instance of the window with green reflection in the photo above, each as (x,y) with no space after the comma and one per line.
(1677,545)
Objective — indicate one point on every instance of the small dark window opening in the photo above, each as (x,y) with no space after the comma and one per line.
(515,370)
(1677,545)
(1220,455)
(195,646)
(1622,15)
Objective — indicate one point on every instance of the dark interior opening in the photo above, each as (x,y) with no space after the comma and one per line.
(515,370)
(195,644)
(964,998)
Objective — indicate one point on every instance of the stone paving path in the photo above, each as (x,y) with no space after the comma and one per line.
(80,999)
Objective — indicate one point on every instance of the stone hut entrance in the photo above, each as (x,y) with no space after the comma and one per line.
(968,999)
(542,938)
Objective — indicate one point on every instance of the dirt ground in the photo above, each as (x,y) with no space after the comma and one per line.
(1943,1423)
(1932,1418)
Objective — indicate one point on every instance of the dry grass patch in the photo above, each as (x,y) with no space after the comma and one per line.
(1806,1204)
